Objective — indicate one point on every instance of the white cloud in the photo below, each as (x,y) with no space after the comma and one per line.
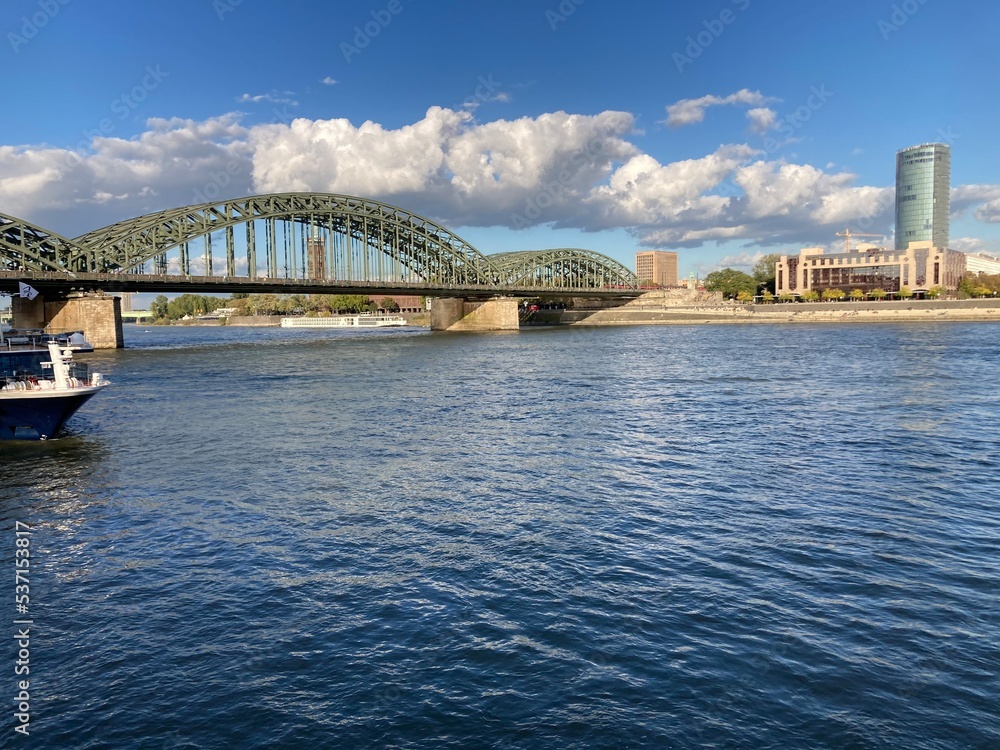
(974,245)
(559,169)
(329,81)
(742,261)
(691,111)
(985,199)
(73,192)
(762,119)
(770,203)
(283,97)
(448,166)
(643,191)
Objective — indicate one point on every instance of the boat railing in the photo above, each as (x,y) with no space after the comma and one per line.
(20,378)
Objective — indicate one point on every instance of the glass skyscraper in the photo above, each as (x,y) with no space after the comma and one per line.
(923,191)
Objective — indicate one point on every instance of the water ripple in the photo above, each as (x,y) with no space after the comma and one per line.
(678,537)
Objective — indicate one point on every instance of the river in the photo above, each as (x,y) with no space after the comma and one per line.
(721,536)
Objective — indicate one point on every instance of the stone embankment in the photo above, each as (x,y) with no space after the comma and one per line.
(681,306)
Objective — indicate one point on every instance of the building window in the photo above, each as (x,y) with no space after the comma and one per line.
(937,274)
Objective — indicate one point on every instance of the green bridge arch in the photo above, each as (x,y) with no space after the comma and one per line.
(303,236)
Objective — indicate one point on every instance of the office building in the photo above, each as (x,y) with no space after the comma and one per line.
(923,185)
(982,263)
(656,268)
(919,267)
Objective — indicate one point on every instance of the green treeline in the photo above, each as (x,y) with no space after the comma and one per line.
(743,286)
(195,305)
(983,285)
(301,304)
(187,304)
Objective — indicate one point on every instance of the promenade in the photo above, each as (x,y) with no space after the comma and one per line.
(666,308)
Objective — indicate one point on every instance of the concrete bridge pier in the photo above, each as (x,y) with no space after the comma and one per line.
(99,317)
(459,314)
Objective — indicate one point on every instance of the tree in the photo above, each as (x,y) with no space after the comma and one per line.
(856,294)
(763,272)
(833,295)
(297,304)
(389,304)
(981,285)
(744,297)
(934,292)
(265,304)
(730,282)
(350,303)
(786,297)
(242,305)
(193,305)
(158,308)
(905,293)
(810,296)
(767,297)
(878,294)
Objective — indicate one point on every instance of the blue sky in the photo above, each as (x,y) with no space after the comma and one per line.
(722,129)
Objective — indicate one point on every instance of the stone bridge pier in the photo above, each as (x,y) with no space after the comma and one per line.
(460,314)
(99,317)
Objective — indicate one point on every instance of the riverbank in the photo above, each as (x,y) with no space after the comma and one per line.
(645,311)
(658,310)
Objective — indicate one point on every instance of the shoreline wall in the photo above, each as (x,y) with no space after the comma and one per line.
(923,311)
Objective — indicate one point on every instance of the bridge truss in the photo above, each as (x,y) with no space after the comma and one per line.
(563,268)
(316,236)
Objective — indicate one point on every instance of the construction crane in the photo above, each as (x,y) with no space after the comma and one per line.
(847,234)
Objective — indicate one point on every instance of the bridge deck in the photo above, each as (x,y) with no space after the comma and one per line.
(60,284)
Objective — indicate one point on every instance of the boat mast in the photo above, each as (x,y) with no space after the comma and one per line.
(60,365)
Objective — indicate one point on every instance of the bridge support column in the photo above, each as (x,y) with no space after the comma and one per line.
(28,313)
(458,314)
(100,318)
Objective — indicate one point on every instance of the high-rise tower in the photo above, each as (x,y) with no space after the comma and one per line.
(923,190)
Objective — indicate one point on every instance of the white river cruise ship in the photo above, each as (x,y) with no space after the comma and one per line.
(345,321)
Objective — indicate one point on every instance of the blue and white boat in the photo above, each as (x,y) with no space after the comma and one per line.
(40,388)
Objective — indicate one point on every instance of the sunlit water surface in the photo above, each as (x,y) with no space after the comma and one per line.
(733,536)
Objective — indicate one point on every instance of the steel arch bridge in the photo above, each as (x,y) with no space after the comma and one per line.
(564,267)
(300,236)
